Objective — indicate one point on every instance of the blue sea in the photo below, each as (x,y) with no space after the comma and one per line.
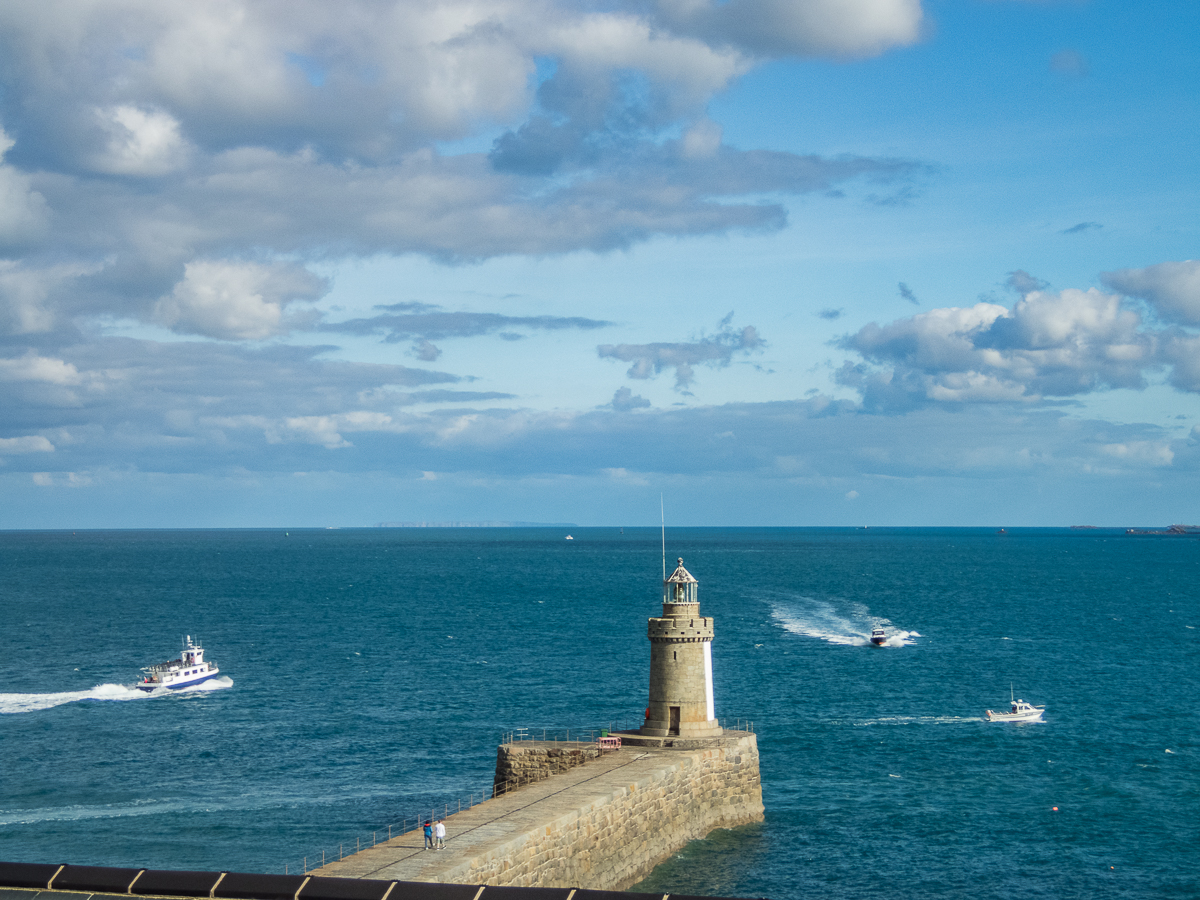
(368,675)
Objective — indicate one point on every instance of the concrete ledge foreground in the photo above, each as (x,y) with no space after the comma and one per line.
(23,881)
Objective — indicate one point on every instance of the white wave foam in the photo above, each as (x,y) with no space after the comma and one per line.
(23,703)
(851,627)
(79,813)
(213,684)
(265,799)
(918,720)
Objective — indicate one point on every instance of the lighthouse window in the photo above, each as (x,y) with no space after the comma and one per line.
(675,655)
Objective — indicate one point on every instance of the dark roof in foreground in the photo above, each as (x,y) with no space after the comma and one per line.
(30,881)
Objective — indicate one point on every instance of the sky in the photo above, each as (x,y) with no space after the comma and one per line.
(779,262)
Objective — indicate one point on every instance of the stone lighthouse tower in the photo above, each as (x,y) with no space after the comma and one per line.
(681,681)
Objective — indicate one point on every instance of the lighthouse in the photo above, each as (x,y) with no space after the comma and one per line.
(681,679)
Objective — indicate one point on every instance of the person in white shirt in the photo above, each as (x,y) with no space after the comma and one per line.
(439,834)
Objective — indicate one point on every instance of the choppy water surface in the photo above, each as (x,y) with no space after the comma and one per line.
(368,675)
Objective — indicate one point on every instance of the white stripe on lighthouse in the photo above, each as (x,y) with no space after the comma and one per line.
(708,689)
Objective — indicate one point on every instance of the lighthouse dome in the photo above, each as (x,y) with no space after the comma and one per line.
(681,575)
(680,593)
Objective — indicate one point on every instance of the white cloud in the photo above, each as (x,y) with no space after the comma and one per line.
(1049,344)
(235,301)
(322,430)
(326,430)
(1182,351)
(372,76)
(37,299)
(23,293)
(380,75)
(34,443)
(34,367)
(1171,288)
(624,476)
(140,142)
(222,54)
(22,209)
(702,140)
(840,28)
(313,129)
(61,479)
(601,42)
(1152,453)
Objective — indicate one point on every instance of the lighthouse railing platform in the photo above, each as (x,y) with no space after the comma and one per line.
(566,735)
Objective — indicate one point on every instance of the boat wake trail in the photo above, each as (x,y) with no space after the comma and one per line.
(850,625)
(23,703)
(919,720)
(19,703)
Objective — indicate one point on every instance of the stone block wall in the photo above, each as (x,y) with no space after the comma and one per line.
(614,840)
(525,762)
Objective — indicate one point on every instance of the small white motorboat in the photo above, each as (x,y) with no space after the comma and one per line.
(1019,711)
(191,668)
(878,637)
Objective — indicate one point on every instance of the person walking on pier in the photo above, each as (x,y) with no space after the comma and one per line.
(428,835)
(439,833)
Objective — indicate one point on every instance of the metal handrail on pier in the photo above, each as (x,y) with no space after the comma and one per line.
(395,830)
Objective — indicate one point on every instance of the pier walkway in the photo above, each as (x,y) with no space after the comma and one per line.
(602,825)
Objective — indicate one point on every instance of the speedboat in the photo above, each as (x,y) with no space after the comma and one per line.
(191,668)
(1019,711)
(878,637)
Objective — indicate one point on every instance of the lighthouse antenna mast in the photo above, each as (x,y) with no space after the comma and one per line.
(663,513)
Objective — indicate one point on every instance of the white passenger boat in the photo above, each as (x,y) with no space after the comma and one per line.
(191,668)
(1019,711)
(878,637)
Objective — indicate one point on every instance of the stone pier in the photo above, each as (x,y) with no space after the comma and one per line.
(602,823)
